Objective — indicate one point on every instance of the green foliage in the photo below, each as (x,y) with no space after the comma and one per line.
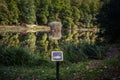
(9,40)
(42,44)
(41,19)
(69,12)
(21,56)
(4,12)
(73,53)
(90,70)
(28,41)
(88,12)
(94,51)
(42,11)
(82,51)
(27,11)
(39,43)
(75,15)
(42,62)
(15,56)
(13,12)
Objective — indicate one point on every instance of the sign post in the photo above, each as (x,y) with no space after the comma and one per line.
(57,56)
(55,34)
(57,70)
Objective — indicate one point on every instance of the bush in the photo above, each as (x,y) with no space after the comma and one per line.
(42,19)
(73,53)
(15,56)
(82,51)
(93,51)
(22,56)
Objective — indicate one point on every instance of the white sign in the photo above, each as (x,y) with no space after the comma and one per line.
(57,56)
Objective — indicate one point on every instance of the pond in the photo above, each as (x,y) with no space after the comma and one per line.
(39,42)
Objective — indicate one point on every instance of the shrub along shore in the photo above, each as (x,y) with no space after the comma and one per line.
(89,70)
(21,63)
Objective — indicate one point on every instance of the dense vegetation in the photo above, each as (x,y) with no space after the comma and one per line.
(77,46)
(72,54)
(86,54)
(92,70)
(70,12)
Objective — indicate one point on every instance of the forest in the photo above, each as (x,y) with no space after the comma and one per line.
(72,13)
(82,13)
(88,54)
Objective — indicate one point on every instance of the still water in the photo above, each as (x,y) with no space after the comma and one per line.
(40,43)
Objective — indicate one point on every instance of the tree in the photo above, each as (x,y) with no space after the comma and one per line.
(13,11)
(27,11)
(10,40)
(88,11)
(42,11)
(65,14)
(4,12)
(54,10)
(42,19)
(29,41)
(75,14)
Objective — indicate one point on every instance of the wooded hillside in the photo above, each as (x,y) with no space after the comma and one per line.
(70,12)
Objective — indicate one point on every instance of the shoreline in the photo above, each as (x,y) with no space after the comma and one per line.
(29,28)
(36,28)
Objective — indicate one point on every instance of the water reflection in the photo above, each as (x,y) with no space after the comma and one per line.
(40,42)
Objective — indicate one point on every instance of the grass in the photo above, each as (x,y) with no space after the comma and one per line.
(8,28)
(89,70)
